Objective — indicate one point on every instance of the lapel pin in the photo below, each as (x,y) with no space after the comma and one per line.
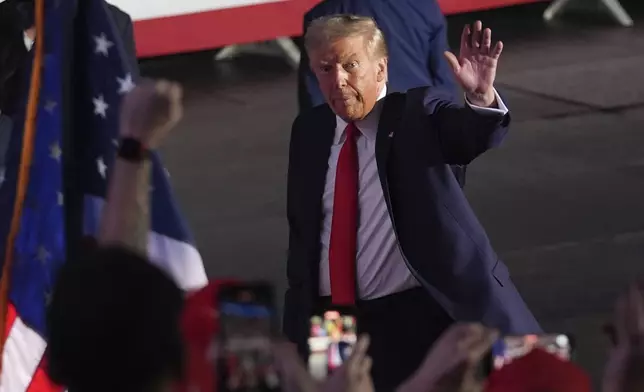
(391,134)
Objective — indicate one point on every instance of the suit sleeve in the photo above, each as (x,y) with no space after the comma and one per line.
(6,125)
(295,319)
(463,132)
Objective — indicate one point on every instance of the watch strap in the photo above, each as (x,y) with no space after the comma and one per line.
(132,150)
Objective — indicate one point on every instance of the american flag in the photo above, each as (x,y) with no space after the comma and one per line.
(39,247)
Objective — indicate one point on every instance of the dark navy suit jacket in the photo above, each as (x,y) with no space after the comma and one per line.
(420,133)
(416,35)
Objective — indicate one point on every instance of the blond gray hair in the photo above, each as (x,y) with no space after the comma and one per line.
(328,29)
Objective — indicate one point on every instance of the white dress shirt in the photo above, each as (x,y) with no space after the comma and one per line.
(380,267)
(29,43)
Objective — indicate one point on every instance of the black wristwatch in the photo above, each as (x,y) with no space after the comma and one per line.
(132,150)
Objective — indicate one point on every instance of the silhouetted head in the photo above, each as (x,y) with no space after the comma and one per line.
(114,324)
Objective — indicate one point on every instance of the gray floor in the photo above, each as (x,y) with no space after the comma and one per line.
(561,199)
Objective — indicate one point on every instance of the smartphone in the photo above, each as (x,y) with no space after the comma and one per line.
(510,348)
(247,325)
(332,335)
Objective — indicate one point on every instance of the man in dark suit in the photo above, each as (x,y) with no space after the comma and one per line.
(17,33)
(13,51)
(416,33)
(121,19)
(376,218)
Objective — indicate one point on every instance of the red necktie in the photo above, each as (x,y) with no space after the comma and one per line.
(344,225)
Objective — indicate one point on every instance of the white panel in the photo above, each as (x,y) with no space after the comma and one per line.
(150,9)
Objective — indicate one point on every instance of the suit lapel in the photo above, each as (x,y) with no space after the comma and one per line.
(390,119)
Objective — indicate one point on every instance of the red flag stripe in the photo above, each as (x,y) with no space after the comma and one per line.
(9,320)
(41,382)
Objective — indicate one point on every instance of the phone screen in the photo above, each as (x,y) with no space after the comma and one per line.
(245,360)
(510,348)
(331,339)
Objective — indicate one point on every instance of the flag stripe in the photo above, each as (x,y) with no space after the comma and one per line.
(24,170)
(39,248)
(11,317)
(41,382)
(22,354)
(163,251)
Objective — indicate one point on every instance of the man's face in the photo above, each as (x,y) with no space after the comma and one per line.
(349,77)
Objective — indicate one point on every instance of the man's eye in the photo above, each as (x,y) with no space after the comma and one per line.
(352,65)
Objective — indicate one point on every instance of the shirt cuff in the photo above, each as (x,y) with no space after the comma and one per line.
(501,109)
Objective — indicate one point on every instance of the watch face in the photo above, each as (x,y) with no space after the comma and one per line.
(132,150)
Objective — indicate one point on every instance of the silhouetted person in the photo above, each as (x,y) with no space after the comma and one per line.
(114,325)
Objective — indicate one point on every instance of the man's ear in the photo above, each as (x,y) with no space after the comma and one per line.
(382,69)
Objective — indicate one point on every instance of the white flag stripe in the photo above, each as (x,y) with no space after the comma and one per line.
(178,259)
(22,354)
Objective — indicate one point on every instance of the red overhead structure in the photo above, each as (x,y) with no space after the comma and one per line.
(163,28)
(451,7)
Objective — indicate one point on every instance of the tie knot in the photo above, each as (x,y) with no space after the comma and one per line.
(351,130)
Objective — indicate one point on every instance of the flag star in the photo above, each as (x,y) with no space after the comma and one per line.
(50,106)
(43,254)
(103,45)
(100,106)
(126,84)
(102,167)
(115,142)
(55,152)
(60,198)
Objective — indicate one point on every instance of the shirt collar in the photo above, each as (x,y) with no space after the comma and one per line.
(368,126)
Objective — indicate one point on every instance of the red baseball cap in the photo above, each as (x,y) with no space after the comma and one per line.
(539,371)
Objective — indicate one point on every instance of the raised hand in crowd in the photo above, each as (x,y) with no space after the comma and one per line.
(353,376)
(453,363)
(355,373)
(624,370)
(150,111)
(295,376)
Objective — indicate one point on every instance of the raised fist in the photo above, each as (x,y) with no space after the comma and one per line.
(150,110)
